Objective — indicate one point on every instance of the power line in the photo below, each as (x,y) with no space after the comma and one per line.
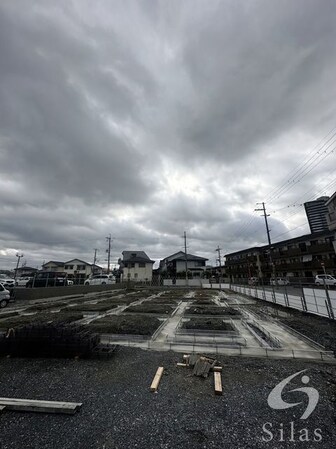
(293,173)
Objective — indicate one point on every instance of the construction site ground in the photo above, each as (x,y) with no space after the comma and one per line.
(120,411)
(258,345)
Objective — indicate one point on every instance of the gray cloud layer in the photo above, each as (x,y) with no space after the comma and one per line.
(143,119)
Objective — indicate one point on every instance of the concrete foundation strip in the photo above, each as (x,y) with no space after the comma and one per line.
(29,405)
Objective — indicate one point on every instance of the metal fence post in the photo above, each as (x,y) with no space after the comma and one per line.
(331,313)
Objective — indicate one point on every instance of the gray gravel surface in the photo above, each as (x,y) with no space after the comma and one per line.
(120,412)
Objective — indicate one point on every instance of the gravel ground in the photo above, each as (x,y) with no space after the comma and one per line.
(119,411)
(321,330)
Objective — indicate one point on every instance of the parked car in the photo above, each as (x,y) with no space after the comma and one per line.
(7,282)
(279,281)
(21,282)
(325,279)
(100,279)
(4,296)
(47,279)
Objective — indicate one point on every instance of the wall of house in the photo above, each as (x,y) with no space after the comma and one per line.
(77,269)
(52,267)
(180,265)
(138,273)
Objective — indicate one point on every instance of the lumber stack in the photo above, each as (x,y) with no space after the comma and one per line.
(202,366)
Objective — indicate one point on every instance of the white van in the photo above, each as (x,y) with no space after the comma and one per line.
(4,296)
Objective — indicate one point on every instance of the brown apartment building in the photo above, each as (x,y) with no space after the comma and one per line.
(300,257)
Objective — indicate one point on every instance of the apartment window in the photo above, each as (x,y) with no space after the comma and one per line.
(135,275)
(303,247)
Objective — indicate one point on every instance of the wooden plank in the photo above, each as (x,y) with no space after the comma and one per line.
(157,378)
(30,405)
(181,364)
(218,383)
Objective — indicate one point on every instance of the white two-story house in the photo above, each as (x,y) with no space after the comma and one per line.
(136,266)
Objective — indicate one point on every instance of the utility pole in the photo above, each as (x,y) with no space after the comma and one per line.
(263,209)
(94,260)
(186,257)
(18,262)
(218,249)
(108,239)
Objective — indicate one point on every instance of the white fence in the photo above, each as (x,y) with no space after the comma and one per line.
(318,301)
(204,283)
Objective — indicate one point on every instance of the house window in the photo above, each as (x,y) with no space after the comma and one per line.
(69,267)
(142,265)
(135,275)
(131,265)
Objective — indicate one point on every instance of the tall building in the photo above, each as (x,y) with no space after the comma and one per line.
(331,217)
(316,212)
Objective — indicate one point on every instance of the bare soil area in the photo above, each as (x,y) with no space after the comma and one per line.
(149,307)
(59,317)
(212,310)
(99,307)
(208,324)
(131,324)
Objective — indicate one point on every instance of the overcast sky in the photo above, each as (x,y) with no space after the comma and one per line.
(145,119)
